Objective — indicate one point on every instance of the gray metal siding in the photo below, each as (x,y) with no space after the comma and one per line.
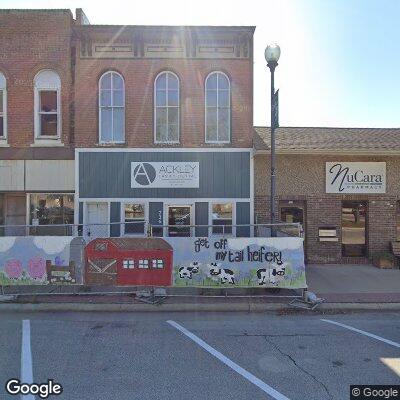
(242,217)
(108,175)
(115,216)
(201,218)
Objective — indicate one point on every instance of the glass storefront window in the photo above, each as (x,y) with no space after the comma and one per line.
(48,209)
(134,219)
(179,219)
(222,218)
(354,228)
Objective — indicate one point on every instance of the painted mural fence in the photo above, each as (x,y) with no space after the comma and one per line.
(40,260)
(276,262)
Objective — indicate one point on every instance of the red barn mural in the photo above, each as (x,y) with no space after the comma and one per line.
(129,261)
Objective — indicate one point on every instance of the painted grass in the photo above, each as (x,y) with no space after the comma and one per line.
(24,280)
(297,281)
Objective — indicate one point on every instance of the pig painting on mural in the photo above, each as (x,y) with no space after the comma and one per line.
(13,269)
(37,268)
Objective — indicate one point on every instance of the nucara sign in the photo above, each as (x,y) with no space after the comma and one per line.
(355,177)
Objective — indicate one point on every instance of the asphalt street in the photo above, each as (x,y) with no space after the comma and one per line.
(98,356)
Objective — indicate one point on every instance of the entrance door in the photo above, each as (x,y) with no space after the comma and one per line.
(15,214)
(97,213)
(354,232)
(294,212)
(178,216)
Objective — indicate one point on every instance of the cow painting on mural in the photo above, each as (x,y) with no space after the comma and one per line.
(272,275)
(186,272)
(223,275)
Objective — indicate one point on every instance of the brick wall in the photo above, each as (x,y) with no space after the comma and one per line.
(31,41)
(302,178)
(139,77)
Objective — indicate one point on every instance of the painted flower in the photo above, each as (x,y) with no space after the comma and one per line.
(58,261)
(36,267)
(13,269)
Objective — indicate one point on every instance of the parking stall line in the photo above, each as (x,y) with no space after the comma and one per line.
(26,357)
(371,335)
(228,362)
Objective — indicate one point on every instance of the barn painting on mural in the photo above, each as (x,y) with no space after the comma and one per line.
(239,262)
(41,260)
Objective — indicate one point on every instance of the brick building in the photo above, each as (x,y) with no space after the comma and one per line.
(132,125)
(169,108)
(36,117)
(345,223)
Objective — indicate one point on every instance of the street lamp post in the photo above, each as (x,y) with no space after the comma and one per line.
(272,54)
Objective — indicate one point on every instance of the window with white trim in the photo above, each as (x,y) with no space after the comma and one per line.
(158,264)
(47,94)
(3,107)
(128,264)
(218,108)
(222,218)
(144,264)
(134,218)
(111,108)
(166,108)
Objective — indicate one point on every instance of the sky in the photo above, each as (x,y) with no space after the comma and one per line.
(340,59)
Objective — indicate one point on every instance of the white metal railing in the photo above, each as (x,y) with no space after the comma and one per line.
(116,229)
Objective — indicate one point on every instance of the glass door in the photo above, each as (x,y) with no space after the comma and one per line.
(354,228)
(293,212)
(178,217)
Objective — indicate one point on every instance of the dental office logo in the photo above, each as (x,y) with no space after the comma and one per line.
(165,174)
(355,177)
(144,174)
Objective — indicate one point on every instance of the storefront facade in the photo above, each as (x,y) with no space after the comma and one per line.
(167,189)
(38,193)
(148,94)
(347,200)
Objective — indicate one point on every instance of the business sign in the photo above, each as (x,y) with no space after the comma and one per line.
(355,177)
(165,174)
(238,262)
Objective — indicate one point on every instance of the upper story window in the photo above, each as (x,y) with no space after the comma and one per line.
(112,108)
(47,101)
(3,107)
(218,108)
(166,108)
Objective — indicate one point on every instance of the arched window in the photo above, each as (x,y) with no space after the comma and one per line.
(166,108)
(112,108)
(47,94)
(3,107)
(218,108)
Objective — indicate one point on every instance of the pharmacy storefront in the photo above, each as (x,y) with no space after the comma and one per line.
(348,206)
(167,188)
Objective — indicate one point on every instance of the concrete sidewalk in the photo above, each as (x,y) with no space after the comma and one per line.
(354,283)
(344,287)
(342,278)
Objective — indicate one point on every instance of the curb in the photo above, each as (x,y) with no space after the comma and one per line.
(191,307)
